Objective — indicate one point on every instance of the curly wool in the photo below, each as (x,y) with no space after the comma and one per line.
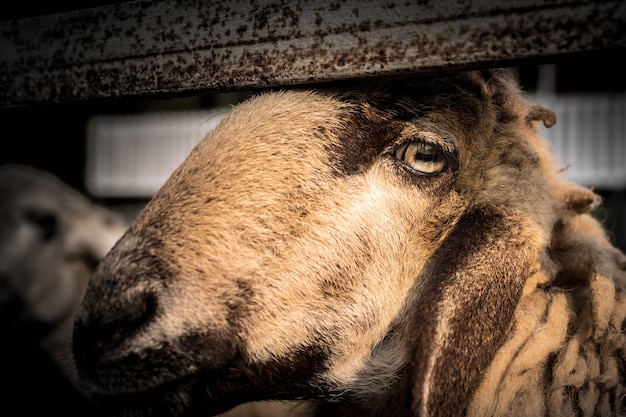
(566,345)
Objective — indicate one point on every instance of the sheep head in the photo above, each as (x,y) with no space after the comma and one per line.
(51,238)
(361,246)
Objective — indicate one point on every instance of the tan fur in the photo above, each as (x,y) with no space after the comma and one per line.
(297,254)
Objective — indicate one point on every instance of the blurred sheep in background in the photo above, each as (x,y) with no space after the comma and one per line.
(51,239)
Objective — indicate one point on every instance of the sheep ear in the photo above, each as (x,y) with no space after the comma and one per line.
(470,290)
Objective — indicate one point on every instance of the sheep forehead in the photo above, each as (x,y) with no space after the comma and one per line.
(273,137)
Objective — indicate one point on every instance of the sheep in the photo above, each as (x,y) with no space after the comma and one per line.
(51,239)
(406,246)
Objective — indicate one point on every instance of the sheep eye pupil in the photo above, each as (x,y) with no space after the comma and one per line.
(422,157)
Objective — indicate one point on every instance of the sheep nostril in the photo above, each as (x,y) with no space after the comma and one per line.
(136,313)
(99,333)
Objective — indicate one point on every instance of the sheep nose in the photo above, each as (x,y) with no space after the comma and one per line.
(97,332)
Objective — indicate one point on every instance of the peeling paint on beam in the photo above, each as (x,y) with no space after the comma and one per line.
(147,48)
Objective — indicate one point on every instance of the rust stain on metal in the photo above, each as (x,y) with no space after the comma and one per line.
(187,47)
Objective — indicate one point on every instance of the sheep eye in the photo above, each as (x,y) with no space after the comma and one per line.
(422,157)
(47,222)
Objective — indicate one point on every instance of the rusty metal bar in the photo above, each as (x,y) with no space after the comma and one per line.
(163,48)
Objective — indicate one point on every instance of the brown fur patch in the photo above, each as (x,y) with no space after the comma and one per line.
(472,285)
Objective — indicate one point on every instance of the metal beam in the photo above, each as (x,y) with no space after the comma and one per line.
(171,47)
